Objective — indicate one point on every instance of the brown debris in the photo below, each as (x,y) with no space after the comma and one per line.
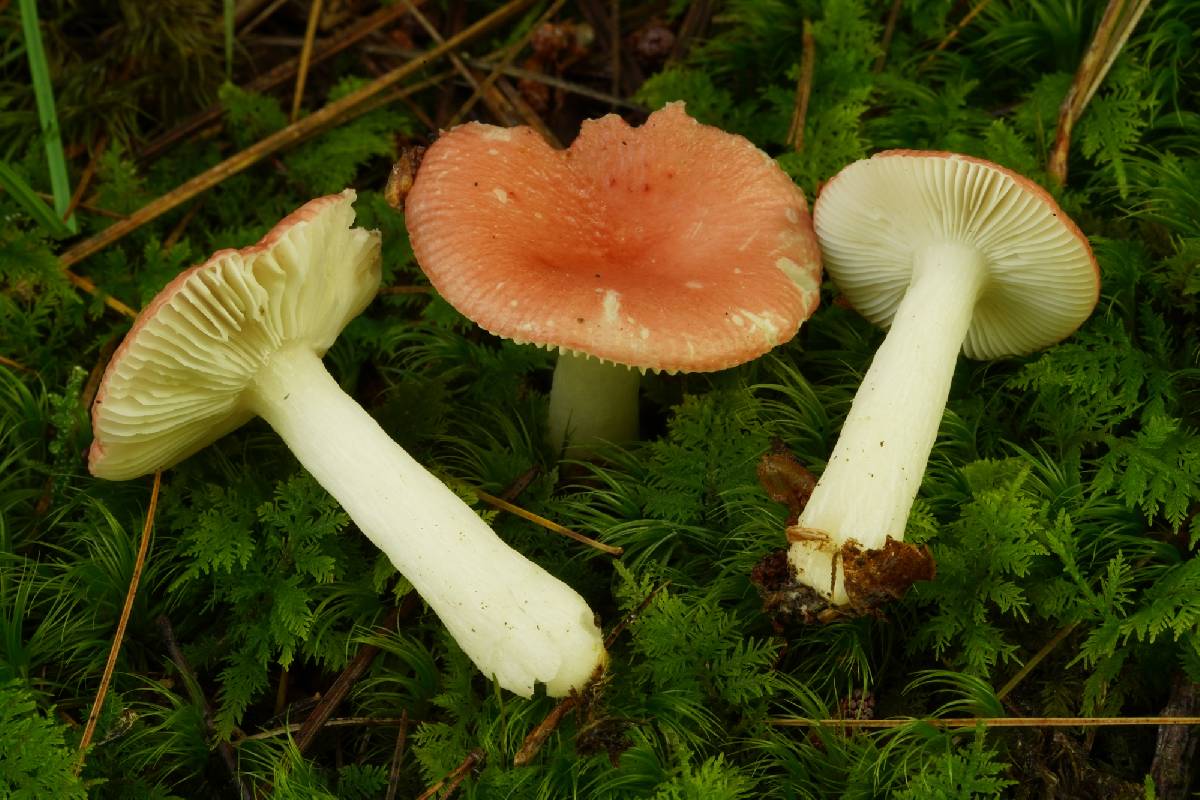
(403,173)
(653,42)
(785,479)
(877,577)
(786,600)
(873,579)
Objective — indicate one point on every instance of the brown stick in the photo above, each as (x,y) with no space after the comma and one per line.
(89,207)
(1112,32)
(505,60)
(397,757)
(17,365)
(523,74)
(889,30)
(310,34)
(455,778)
(993,722)
(93,717)
(198,699)
(534,740)
(276,77)
(177,232)
(262,17)
(341,110)
(1034,660)
(1175,749)
(953,34)
(319,716)
(85,178)
(549,525)
(86,285)
(495,102)
(532,744)
(340,722)
(803,88)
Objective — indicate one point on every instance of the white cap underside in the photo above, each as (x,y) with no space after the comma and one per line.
(877,214)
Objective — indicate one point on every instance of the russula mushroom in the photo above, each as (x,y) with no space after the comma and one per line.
(950,253)
(242,335)
(673,246)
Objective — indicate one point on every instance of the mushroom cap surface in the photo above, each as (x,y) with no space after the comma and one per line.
(875,216)
(673,246)
(175,385)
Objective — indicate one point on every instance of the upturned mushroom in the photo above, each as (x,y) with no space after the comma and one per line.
(242,335)
(673,246)
(949,253)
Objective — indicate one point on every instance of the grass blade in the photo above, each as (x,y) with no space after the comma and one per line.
(30,203)
(60,184)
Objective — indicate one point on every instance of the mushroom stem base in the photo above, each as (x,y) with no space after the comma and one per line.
(867,489)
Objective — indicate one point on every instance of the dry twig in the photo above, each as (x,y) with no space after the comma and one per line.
(803,88)
(397,757)
(329,702)
(532,744)
(277,76)
(310,35)
(991,722)
(505,60)
(340,722)
(1119,20)
(954,32)
(17,365)
(889,30)
(348,107)
(455,778)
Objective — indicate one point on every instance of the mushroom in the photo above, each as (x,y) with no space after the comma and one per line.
(242,335)
(949,253)
(673,246)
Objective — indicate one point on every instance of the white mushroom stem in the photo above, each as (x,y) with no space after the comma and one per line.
(512,618)
(868,486)
(592,402)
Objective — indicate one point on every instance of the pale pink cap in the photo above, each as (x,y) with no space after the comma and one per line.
(673,246)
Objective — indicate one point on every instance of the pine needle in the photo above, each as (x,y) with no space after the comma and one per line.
(310,34)
(803,88)
(346,108)
(549,525)
(991,722)
(93,717)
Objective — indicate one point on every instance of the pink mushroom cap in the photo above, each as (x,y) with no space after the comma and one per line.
(673,246)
